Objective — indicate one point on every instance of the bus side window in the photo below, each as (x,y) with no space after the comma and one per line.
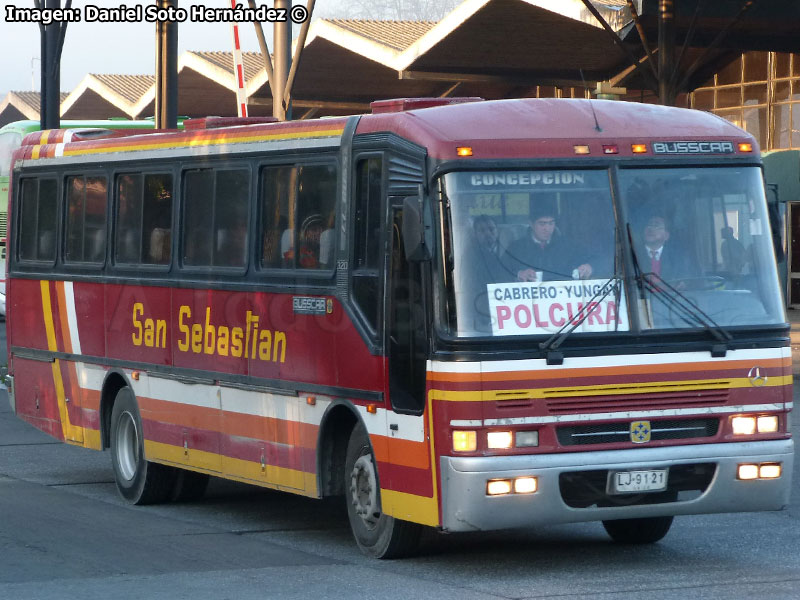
(231,209)
(37,240)
(215,209)
(144,204)
(86,219)
(367,254)
(277,217)
(316,202)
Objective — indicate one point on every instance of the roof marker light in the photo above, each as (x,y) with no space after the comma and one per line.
(745,147)
(610,149)
(581,149)
(464,151)
(639,148)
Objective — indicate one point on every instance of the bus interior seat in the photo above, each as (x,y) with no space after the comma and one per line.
(159,245)
(287,246)
(46,244)
(326,248)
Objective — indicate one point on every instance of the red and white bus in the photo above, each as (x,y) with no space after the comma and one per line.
(450,312)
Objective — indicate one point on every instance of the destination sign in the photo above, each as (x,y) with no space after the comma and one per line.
(530,178)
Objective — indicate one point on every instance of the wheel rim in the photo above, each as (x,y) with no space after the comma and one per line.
(127,446)
(364,491)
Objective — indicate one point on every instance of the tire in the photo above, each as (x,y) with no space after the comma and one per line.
(189,486)
(638,531)
(377,534)
(138,480)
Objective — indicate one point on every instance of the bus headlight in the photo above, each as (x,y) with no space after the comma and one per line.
(527,439)
(498,487)
(499,440)
(465,441)
(769,471)
(768,424)
(743,425)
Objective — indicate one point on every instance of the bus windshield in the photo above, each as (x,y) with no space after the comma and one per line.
(526,251)
(533,252)
(702,234)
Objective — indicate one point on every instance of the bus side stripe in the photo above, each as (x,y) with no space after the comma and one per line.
(69,294)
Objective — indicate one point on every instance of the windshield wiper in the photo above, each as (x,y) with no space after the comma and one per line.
(551,344)
(674,299)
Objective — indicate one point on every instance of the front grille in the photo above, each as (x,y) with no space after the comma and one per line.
(611,399)
(619,432)
(586,489)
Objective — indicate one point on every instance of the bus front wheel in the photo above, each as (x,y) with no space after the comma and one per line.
(638,531)
(377,534)
(138,480)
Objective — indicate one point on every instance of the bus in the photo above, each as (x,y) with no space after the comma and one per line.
(449,312)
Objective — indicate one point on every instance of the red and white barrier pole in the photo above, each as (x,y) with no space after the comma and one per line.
(238,69)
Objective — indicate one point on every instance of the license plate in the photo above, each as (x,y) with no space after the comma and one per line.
(625,482)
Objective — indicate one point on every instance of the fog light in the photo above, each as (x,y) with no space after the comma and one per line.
(526,439)
(465,441)
(768,424)
(498,487)
(743,425)
(525,485)
(769,471)
(499,439)
(748,472)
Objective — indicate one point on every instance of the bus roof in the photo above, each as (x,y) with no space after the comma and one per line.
(508,129)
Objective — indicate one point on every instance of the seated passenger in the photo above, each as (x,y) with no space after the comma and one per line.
(543,254)
(734,256)
(485,254)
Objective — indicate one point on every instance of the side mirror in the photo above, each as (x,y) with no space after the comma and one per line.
(414,230)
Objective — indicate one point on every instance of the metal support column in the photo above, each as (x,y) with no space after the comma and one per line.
(666,51)
(167,70)
(283,58)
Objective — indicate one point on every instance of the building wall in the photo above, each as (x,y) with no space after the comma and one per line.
(759,92)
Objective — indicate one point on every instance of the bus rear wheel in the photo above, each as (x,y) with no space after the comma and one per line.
(376,533)
(638,531)
(138,480)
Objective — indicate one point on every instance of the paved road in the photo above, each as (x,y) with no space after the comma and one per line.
(64,533)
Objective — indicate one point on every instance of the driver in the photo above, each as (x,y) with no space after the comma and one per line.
(666,260)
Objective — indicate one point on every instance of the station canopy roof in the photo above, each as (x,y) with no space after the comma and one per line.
(488,48)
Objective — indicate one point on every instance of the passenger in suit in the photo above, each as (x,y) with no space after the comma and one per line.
(662,258)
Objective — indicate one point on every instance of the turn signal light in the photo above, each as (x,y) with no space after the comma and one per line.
(465,441)
(464,151)
(581,149)
(745,147)
(638,148)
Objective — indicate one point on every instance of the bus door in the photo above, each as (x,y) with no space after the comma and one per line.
(407,343)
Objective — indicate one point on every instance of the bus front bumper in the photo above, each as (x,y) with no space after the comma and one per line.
(466,506)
